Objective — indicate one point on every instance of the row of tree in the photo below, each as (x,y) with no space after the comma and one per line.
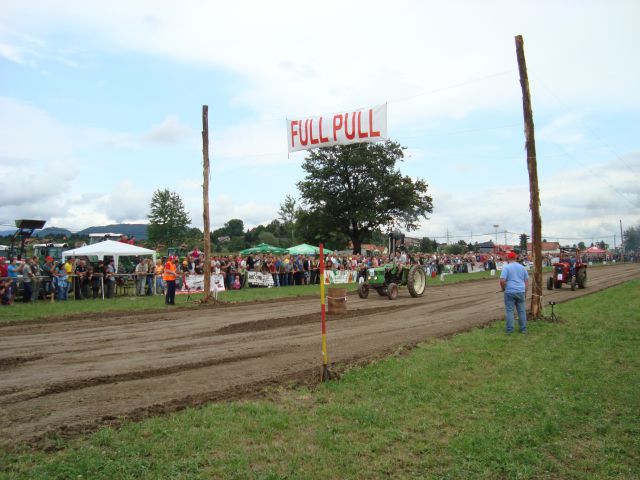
(350,193)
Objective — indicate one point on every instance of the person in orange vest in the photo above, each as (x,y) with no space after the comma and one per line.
(169,277)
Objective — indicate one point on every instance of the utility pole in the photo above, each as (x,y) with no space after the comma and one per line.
(621,242)
(532,166)
(205,202)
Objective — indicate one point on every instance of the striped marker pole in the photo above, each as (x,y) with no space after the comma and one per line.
(324,374)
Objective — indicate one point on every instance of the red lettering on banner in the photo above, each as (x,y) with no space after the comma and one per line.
(371,131)
(322,139)
(352,135)
(337,125)
(294,132)
(314,141)
(306,133)
(361,134)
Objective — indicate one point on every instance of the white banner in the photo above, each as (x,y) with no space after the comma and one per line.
(364,125)
(340,276)
(260,279)
(195,283)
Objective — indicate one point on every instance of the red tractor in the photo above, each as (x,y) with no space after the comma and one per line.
(570,271)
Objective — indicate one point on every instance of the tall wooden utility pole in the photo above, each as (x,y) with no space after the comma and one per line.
(205,202)
(532,165)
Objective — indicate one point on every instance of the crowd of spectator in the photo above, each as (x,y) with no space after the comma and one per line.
(87,280)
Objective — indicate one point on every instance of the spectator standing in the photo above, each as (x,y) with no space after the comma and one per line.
(62,282)
(514,281)
(169,277)
(110,278)
(95,277)
(37,273)
(159,270)
(141,277)
(80,280)
(27,281)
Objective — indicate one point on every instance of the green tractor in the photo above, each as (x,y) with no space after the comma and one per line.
(387,278)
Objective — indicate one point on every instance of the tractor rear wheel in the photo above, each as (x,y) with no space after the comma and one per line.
(550,283)
(573,283)
(416,281)
(363,290)
(582,278)
(392,291)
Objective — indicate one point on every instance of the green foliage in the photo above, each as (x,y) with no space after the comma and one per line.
(560,402)
(355,189)
(524,238)
(168,220)
(428,246)
(288,213)
(234,228)
(632,239)
(455,249)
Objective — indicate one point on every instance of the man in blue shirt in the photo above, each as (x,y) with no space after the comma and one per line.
(514,281)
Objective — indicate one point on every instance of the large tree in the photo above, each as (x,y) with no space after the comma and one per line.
(632,239)
(288,213)
(355,189)
(168,221)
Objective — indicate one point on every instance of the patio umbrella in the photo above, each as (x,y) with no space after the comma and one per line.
(262,248)
(306,249)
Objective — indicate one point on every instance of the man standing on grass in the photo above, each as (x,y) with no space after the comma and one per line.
(169,278)
(514,281)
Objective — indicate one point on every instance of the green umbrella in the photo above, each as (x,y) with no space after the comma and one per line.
(262,248)
(306,249)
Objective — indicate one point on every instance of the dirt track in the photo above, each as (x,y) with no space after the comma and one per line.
(72,375)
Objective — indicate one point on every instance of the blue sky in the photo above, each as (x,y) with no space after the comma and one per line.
(101,106)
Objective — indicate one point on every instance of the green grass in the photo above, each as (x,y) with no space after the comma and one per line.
(560,402)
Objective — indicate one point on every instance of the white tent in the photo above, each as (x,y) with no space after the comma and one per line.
(109,248)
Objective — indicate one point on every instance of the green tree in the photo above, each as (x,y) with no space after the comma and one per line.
(168,220)
(234,227)
(455,249)
(582,246)
(288,213)
(632,239)
(355,189)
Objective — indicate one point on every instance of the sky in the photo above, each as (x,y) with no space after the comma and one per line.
(101,105)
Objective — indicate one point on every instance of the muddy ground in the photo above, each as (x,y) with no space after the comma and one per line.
(70,376)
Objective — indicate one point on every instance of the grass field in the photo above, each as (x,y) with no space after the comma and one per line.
(561,402)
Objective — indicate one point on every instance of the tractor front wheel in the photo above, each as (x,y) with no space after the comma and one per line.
(582,278)
(573,283)
(363,290)
(550,283)
(416,281)
(392,291)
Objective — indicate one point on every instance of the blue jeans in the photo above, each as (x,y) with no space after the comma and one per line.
(516,300)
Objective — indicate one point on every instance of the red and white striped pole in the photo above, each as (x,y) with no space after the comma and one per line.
(324,373)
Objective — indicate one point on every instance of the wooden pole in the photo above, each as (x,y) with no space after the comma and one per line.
(205,201)
(532,165)
(324,372)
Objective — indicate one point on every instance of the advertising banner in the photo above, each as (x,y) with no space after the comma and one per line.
(340,276)
(259,279)
(364,125)
(195,283)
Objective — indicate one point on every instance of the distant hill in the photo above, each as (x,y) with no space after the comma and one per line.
(138,230)
(49,231)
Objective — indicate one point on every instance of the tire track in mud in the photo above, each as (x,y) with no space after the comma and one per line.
(128,376)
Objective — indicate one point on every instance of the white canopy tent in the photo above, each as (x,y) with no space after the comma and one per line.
(111,249)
